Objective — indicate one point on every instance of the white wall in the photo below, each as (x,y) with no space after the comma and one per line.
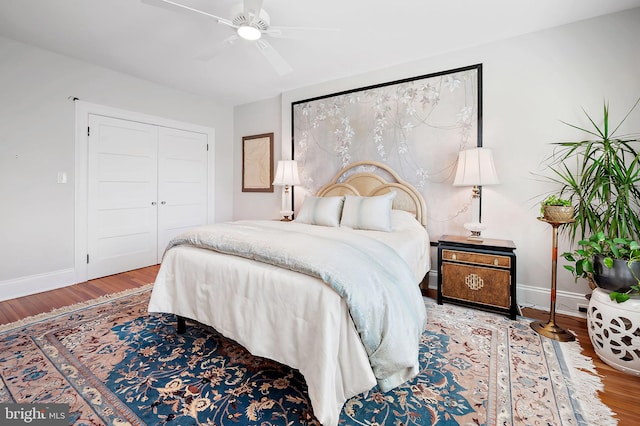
(530,83)
(255,119)
(37,130)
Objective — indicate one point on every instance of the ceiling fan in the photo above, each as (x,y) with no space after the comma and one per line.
(250,22)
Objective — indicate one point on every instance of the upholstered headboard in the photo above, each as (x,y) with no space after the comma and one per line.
(370,178)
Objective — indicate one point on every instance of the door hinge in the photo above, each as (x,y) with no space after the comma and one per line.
(88,131)
(87,258)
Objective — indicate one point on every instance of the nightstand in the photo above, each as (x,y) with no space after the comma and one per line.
(480,274)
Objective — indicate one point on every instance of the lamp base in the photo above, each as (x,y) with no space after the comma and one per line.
(475,228)
(475,236)
(286,215)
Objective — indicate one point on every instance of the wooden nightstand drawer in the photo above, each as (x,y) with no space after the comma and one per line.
(480,274)
(476,258)
(476,284)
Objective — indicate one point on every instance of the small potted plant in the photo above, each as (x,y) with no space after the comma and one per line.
(610,264)
(556,209)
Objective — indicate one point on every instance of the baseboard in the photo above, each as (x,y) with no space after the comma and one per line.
(567,302)
(24,286)
(433,280)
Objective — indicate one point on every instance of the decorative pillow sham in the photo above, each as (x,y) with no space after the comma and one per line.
(372,213)
(324,211)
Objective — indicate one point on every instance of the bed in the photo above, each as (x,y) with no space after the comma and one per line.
(295,298)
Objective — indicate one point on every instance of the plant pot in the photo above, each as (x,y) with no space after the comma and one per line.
(558,213)
(618,278)
(614,330)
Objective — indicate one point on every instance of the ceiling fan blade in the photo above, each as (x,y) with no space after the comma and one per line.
(297,32)
(214,51)
(275,59)
(252,9)
(172,5)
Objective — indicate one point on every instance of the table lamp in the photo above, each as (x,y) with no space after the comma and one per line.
(475,168)
(287,176)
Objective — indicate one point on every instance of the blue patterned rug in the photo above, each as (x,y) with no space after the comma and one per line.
(114,364)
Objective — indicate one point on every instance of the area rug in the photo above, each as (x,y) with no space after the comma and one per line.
(114,364)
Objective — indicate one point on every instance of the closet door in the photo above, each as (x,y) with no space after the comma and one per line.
(182,183)
(122,196)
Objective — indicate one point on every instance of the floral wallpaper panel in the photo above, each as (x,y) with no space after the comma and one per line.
(416,126)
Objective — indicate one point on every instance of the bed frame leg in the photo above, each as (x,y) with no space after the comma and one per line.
(424,285)
(182,325)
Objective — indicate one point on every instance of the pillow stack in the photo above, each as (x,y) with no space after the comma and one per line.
(350,211)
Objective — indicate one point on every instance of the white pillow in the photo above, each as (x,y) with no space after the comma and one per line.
(323,211)
(372,213)
(402,220)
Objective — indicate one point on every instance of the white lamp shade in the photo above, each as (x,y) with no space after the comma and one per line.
(475,167)
(287,173)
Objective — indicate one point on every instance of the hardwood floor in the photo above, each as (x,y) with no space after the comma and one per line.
(22,307)
(621,391)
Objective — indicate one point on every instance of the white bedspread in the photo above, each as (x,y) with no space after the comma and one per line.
(283,315)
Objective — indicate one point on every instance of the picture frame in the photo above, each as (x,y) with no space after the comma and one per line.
(257,163)
(415,125)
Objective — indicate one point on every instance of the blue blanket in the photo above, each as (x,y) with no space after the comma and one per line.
(378,286)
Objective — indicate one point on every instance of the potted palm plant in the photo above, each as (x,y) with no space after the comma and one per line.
(601,177)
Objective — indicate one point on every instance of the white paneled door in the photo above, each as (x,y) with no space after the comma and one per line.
(145,184)
(182,183)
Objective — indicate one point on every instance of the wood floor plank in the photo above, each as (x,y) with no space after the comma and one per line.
(22,307)
(621,391)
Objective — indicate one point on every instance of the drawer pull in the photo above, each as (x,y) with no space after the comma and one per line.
(495,262)
(474,282)
(454,257)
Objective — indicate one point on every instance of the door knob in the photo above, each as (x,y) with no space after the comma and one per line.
(153,203)
(163,202)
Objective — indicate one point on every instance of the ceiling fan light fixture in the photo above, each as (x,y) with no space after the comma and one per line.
(248,32)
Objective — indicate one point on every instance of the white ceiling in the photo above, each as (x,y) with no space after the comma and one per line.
(163,46)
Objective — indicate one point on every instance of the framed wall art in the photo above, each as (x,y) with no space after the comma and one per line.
(416,126)
(257,163)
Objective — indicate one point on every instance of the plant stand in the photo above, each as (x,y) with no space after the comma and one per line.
(550,329)
(614,330)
